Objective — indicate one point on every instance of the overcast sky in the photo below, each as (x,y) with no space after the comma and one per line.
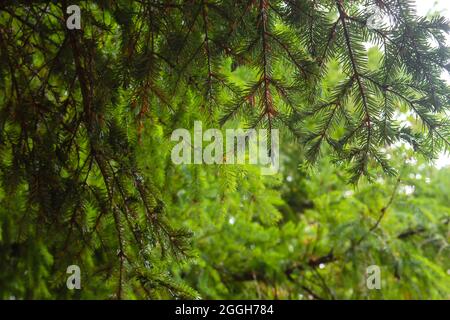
(423,6)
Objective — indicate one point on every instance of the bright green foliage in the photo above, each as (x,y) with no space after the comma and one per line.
(327,236)
(87,179)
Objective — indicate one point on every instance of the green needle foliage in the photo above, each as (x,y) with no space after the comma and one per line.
(86,176)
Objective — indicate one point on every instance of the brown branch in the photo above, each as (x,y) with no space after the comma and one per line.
(342,16)
(207,49)
(268,103)
(382,212)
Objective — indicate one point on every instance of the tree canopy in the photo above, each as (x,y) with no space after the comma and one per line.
(86,176)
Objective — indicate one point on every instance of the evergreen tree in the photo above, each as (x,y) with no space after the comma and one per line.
(86,117)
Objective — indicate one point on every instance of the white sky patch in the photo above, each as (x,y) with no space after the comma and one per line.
(407,190)
(348,193)
(425,6)
(443,160)
(402,118)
